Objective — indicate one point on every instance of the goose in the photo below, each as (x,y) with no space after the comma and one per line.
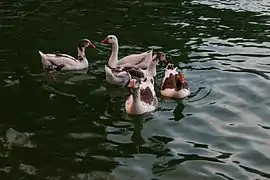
(134,60)
(174,84)
(120,75)
(142,98)
(58,61)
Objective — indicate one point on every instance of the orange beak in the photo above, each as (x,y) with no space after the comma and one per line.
(106,40)
(181,77)
(131,84)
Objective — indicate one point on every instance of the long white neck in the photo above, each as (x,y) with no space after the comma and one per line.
(136,97)
(114,56)
(152,68)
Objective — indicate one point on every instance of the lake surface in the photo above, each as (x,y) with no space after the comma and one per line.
(76,127)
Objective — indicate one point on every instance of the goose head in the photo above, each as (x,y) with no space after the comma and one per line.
(110,39)
(180,82)
(134,84)
(160,56)
(83,43)
(180,77)
(170,66)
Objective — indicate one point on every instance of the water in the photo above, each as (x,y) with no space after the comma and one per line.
(76,127)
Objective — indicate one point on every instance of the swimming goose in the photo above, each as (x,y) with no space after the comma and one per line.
(174,84)
(58,61)
(134,60)
(142,98)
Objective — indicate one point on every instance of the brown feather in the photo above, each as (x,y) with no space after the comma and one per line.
(147,95)
(181,85)
(134,72)
(169,82)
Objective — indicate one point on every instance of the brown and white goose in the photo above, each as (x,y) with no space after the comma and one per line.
(142,98)
(174,84)
(59,61)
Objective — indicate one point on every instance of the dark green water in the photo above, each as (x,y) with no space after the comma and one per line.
(76,127)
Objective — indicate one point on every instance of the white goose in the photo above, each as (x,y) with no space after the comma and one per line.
(174,84)
(58,61)
(142,98)
(135,60)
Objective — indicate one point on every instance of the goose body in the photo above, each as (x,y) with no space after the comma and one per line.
(142,98)
(116,76)
(59,61)
(173,84)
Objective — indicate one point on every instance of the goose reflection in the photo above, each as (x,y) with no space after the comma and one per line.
(178,111)
(136,137)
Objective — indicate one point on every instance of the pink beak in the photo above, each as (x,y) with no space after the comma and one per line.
(91,45)
(165,60)
(106,40)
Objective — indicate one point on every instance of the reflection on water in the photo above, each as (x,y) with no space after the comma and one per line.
(261,7)
(76,127)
